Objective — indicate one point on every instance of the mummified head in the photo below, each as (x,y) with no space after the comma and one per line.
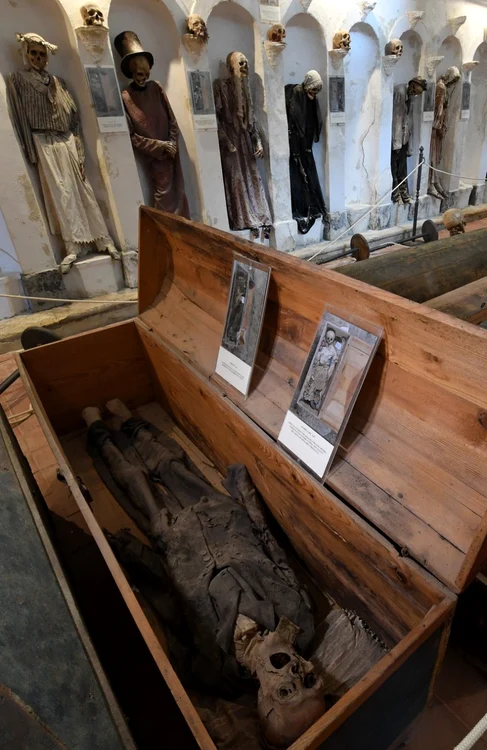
(290,697)
(452,76)
(238,65)
(276,33)
(140,69)
(35,51)
(454,221)
(312,84)
(394,47)
(342,40)
(92,15)
(197,27)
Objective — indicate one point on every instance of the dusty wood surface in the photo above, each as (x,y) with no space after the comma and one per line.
(428,270)
(468,302)
(413,459)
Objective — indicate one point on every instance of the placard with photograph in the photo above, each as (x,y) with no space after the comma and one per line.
(331,380)
(429,102)
(466,95)
(106,98)
(337,98)
(202,103)
(270,11)
(243,323)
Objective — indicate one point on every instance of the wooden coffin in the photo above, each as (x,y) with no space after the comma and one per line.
(400,526)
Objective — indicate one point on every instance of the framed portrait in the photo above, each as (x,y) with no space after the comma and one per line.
(243,323)
(202,104)
(466,95)
(336,95)
(106,98)
(330,382)
(429,102)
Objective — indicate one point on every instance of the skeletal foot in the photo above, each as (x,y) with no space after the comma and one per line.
(118,409)
(67,263)
(91,414)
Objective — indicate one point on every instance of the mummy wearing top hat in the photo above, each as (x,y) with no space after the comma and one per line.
(153,128)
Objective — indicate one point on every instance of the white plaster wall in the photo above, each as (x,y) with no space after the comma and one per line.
(9,262)
(306,51)
(231,29)
(363,77)
(474,162)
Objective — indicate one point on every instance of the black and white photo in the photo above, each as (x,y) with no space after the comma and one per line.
(243,324)
(201,93)
(466,93)
(337,93)
(106,97)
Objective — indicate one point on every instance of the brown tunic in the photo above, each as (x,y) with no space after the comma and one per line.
(151,120)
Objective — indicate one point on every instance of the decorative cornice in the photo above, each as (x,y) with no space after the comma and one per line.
(337,57)
(432,63)
(366,7)
(274,50)
(415,16)
(194,46)
(389,62)
(94,39)
(467,67)
(455,23)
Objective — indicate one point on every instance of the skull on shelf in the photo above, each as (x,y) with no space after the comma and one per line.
(290,697)
(394,47)
(454,221)
(92,15)
(197,28)
(276,33)
(342,40)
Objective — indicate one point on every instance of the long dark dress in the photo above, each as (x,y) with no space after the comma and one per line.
(304,124)
(246,201)
(151,120)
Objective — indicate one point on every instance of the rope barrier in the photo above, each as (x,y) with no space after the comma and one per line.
(91,301)
(386,195)
(450,174)
(477,732)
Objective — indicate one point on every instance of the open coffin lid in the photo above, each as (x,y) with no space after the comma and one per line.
(413,460)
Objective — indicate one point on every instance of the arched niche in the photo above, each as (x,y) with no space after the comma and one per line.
(451,51)
(475,150)
(47,18)
(408,67)
(307,50)
(363,97)
(158,33)
(231,28)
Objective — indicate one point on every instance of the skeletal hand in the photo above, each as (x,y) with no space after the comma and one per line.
(231,148)
(171,148)
(259,152)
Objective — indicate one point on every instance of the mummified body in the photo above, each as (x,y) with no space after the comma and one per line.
(228,573)
(402,135)
(47,123)
(305,124)
(240,147)
(444,90)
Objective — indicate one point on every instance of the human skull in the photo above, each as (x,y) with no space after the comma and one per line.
(37,56)
(330,336)
(290,695)
(342,40)
(394,47)
(238,65)
(276,33)
(140,69)
(197,27)
(454,221)
(92,15)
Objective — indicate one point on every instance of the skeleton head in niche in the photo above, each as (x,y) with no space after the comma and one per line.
(342,40)
(37,56)
(276,33)
(92,15)
(454,221)
(312,84)
(290,695)
(394,47)
(238,65)
(197,28)
(140,69)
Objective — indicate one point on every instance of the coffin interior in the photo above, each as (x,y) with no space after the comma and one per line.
(413,459)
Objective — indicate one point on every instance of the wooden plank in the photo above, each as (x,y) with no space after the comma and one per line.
(341,550)
(89,370)
(468,302)
(426,270)
(377,676)
(155,647)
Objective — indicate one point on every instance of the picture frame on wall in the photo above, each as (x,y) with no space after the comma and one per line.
(106,97)
(429,102)
(336,92)
(202,103)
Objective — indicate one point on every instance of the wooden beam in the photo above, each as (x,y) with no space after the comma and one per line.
(468,302)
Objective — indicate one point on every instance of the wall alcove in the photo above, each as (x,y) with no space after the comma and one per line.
(452,52)
(307,50)
(475,152)
(363,96)
(407,68)
(158,33)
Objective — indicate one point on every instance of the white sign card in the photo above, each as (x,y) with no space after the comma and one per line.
(202,103)
(243,323)
(106,97)
(336,94)
(270,13)
(328,387)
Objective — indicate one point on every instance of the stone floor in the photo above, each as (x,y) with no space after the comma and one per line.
(460,699)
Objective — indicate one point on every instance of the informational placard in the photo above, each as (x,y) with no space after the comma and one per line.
(270,13)
(202,104)
(466,94)
(106,98)
(429,102)
(243,324)
(336,93)
(330,382)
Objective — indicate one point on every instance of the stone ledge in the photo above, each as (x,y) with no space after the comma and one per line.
(72,318)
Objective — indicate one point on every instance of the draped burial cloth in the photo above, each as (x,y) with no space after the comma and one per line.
(46,120)
(304,123)
(247,205)
(151,120)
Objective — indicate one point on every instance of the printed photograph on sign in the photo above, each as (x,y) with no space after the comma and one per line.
(337,94)
(243,324)
(331,379)
(201,94)
(429,98)
(104,91)
(466,93)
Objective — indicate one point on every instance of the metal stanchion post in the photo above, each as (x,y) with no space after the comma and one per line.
(418,190)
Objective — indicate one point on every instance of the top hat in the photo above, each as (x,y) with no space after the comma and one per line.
(128,46)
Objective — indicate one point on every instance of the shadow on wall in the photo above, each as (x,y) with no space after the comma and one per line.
(307,50)
(45,17)
(363,96)
(158,33)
